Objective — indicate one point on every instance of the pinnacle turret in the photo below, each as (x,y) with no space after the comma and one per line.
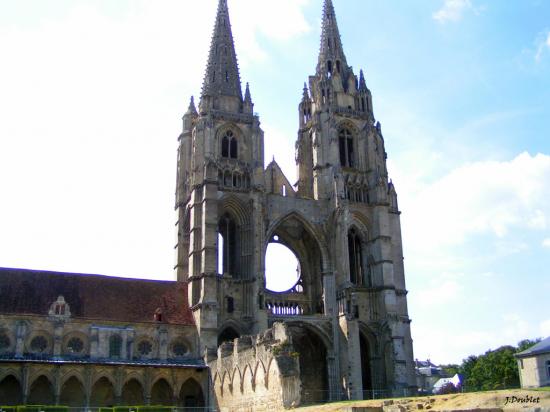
(362,82)
(248,106)
(192,110)
(331,55)
(247,97)
(305,94)
(222,71)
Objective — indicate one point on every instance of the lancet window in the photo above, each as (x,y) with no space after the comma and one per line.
(227,245)
(355,253)
(345,142)
(229,145)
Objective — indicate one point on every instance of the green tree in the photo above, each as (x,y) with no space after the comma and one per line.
(526,344)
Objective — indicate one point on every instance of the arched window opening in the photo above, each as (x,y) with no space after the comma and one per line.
(5,342)
(227,246)
(161,393)
(39,344)
(355,258)
(103,393)
(132,393)
(338,66)
(115,346)
(227,179)
(75,346)
(230,304)
(313,365)
(41,392)
(72,393)
(191,395)
(226,76)
(229,145)
(213,76)
(233,148)
(10,391)
(282,269)
(225,146)
(345,140)
(329,68)
(363,103)
(227,335)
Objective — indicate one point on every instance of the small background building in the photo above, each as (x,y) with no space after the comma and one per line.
(427,374)
(456,381)
(534,365)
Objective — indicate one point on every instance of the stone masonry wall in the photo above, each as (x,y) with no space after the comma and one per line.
(257,373)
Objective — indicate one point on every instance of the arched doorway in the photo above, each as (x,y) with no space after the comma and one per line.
(103,393)
(41,392)
(132,393)
(10,391)
(161,393)
(228,334)
(191,395)
(313,364)
(72,393)
(366,374)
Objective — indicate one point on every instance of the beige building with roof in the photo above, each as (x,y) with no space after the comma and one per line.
(534,365)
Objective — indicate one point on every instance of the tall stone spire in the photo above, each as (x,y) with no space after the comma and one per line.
(222,72)
(331,56)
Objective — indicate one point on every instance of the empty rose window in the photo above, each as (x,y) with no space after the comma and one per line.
(145,348)
(179,349)
(39,344)
(75,345)
(4,341)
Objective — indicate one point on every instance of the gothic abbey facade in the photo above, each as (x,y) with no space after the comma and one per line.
(217,337)
(347,315)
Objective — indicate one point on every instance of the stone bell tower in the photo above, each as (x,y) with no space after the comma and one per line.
(220,167)
(341,159)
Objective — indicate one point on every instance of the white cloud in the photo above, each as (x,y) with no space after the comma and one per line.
(440,292)
(546,242)
(545,328)
(516,328)
(487,197)
(92,98)
(452,10)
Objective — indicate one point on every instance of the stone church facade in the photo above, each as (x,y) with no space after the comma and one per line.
(217,337)
(347,315)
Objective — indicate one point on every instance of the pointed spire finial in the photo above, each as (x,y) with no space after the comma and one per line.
(305,94)
(247,97)
(222,71)
(362,82)
(331,56)
(192,109)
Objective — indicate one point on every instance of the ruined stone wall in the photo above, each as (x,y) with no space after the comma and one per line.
(257,373)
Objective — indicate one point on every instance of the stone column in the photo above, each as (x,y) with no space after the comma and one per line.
(57,339)
(20,334)
(355,377)
(25,382)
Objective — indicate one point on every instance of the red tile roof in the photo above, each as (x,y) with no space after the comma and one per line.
(93,296)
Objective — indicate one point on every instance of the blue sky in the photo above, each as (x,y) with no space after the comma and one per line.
(93,92)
